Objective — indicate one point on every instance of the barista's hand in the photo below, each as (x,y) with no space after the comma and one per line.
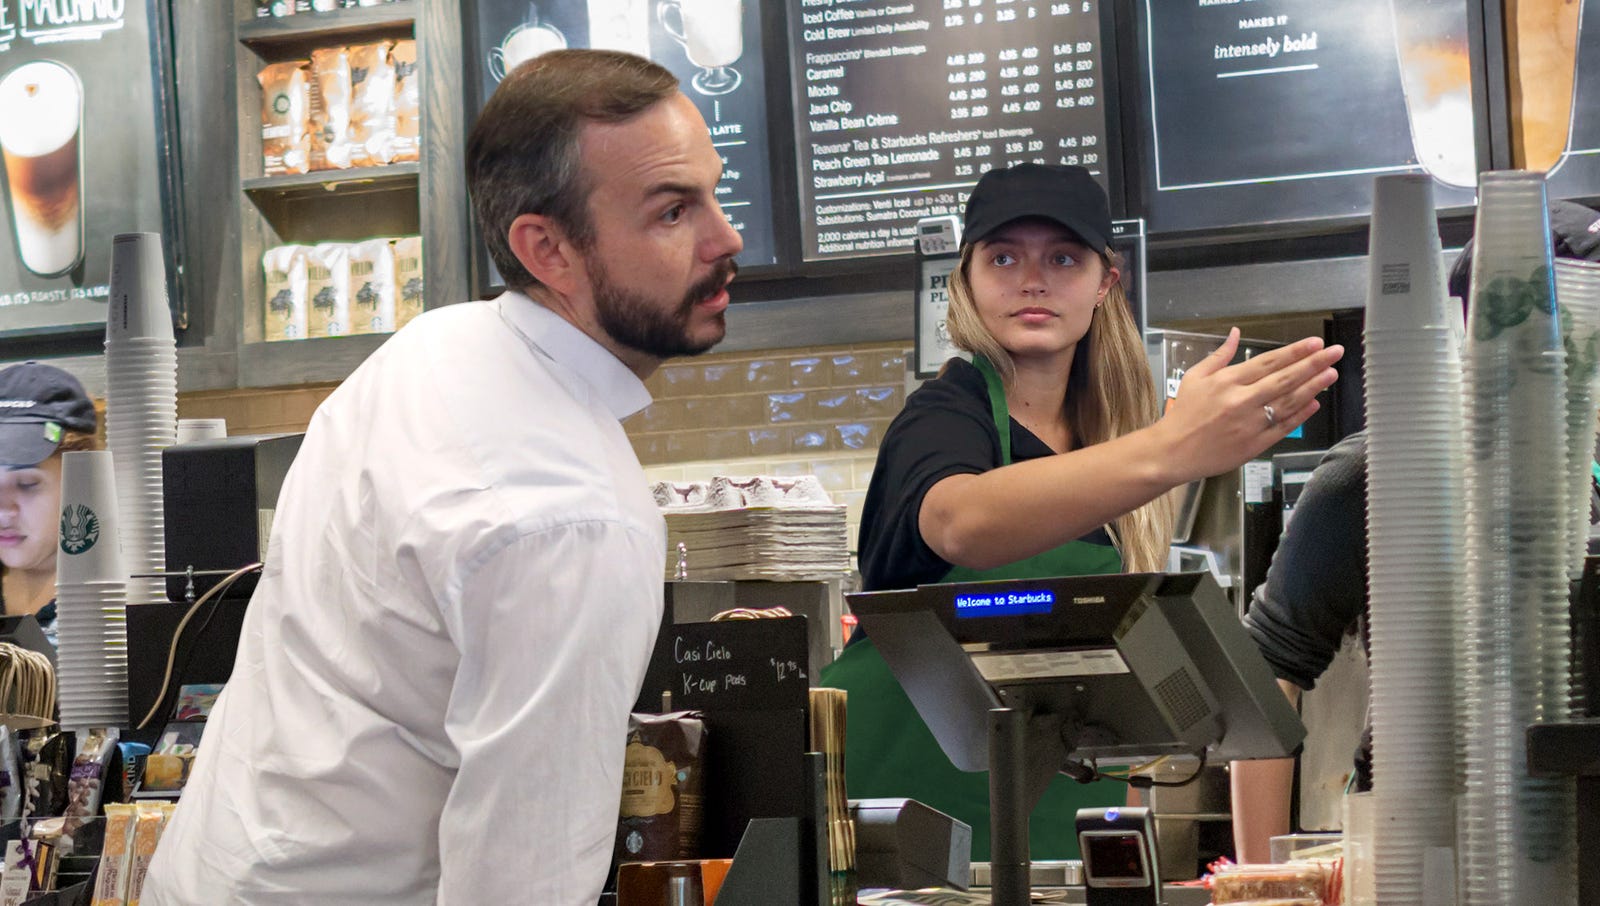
(1220,418)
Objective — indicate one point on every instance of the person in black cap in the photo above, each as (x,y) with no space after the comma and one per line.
(1315,594)
(43,413)
(1042,456)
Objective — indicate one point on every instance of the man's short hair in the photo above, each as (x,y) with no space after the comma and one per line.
(523,155)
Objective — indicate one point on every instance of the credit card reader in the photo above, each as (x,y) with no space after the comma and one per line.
(1119,857)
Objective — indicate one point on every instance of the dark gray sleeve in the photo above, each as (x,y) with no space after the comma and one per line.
(1316,588)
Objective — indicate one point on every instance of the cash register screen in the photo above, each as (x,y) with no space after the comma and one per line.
(1114,855)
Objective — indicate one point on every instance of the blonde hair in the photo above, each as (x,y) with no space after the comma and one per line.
(1109,393)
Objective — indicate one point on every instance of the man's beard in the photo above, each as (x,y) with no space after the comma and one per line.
(638,322)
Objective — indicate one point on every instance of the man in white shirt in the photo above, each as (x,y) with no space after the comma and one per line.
(464,578)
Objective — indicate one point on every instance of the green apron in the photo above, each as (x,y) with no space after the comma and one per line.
(891,753)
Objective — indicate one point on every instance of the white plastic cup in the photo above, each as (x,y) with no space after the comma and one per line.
(138,305)
(192,429)
(88,549)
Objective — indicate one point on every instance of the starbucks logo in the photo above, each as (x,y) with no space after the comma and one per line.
(80,528)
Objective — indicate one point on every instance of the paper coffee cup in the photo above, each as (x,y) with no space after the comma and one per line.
(138,306)
(88,546)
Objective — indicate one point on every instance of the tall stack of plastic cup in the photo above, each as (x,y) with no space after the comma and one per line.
(1578,295)
(1517,843)
(1414,533)
(91,589)
(141,401)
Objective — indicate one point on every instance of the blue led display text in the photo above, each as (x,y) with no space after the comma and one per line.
(1005,603)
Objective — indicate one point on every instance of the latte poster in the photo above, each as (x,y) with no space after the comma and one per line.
(81,154)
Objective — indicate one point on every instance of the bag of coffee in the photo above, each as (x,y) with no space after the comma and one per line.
(328,289)
(408,279)
(285,118)
(372,98)
(663,788)
(407,101)
(285,309)
(372,293)
(330,109)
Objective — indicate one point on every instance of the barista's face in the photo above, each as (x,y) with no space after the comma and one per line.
(1036,286)
(30,515)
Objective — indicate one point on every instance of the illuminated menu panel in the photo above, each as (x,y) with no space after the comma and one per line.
(1260,111)
(712,46)
(900,105)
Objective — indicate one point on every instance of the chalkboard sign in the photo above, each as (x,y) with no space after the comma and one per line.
(731,665)
(900,105)
(714,47)
(1276,110)
(1576,174)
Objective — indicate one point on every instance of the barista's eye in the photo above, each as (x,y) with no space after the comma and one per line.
(1062,259)
(1002,259)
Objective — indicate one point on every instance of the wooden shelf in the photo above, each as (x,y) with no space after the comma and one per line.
(271,37)
(322,183)
(289,362)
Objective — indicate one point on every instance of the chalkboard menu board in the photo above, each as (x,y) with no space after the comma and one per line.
(1577,173)
(83,153)
(713,46)
(1278,110)
(900,105)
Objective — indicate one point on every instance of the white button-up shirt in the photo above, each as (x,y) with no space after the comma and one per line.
(462,589)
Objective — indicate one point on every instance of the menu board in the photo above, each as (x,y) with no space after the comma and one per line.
(712,46)
(82,152)
(900,105)
(1576,173)
(1258,111)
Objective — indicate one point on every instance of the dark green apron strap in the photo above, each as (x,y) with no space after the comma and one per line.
(997,405)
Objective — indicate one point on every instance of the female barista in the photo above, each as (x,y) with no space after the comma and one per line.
(1042,457)
(43,413)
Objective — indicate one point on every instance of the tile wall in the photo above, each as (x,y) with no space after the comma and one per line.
(814,411)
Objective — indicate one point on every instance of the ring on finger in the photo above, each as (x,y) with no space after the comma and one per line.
(1272,416)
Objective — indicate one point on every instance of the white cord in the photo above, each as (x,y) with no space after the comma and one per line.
(177,636)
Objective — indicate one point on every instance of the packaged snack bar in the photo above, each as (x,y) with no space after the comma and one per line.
(147,827)
(285,118)
(111,881)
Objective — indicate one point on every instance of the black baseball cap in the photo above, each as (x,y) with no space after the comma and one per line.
(1067,195)
(38,404)
(1574,233)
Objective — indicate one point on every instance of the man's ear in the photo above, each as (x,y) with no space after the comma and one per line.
(542,246)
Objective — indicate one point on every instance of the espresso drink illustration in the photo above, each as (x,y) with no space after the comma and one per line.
(712,32)
(1543,74)
(41,107)
(1436,72)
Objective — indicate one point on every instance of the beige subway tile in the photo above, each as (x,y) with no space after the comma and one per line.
(789,468)
(788,406)
(742,411)
(834,405)
(660,473)
(686,446)
(846,369)
(766,374)
(861,472)
(811,438)
(853,501)
(862,435)
(885,367)
(767,441)
(651,450)
(809,372)
(879,402)
(677,380)
(834,474)
(661,415)
(722,377)
(726,444)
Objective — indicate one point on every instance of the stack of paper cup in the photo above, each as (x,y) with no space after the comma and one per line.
(1517,831)
(1414,453)
(1578,294)
(91,590)
(141,401)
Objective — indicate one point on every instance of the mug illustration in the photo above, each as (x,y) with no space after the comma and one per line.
(80,528)
(712,32)
(41,114)
(620,25)
(1436,76)
(523,43)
